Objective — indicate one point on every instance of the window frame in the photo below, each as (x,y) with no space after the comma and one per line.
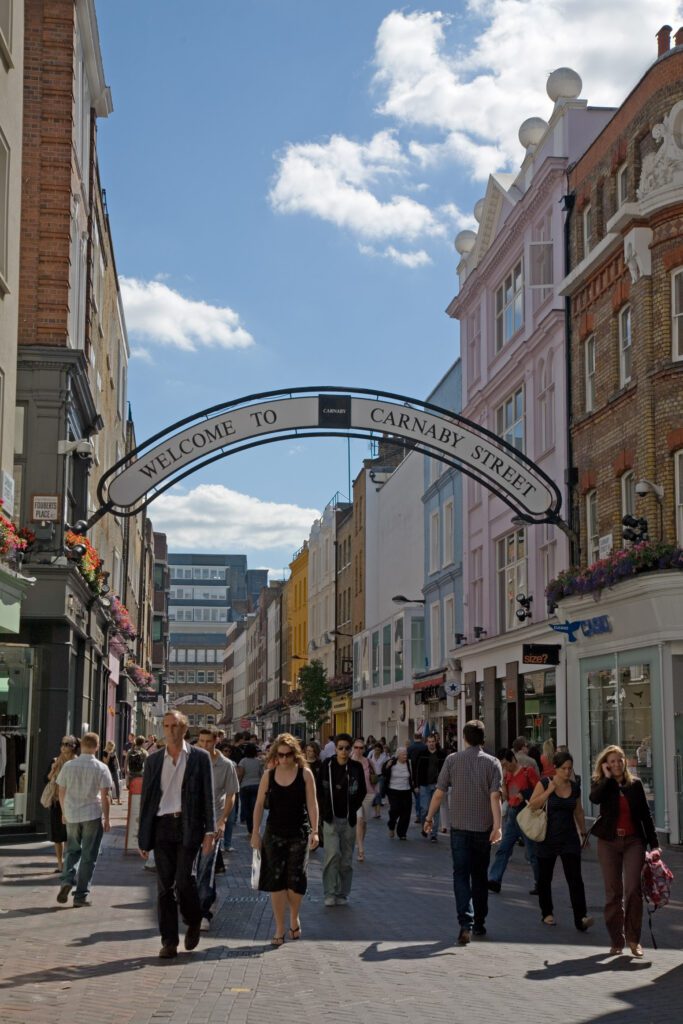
(676,318)
(435,634)
(587,221)
(622,190)
(589,375)
(627,487)
(592,526)
(512,577)
(5,170)
(506,430)
(434,541)
(448,532)
(678,495)
(625,350)
(507,296)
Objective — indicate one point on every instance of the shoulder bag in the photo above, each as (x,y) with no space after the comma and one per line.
(533,823)
(49,795)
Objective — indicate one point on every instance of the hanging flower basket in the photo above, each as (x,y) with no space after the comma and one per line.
(647,556)
(11,541)
(143,680)
(121,618)
(89,564)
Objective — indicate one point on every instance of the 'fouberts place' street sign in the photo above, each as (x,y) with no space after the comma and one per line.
(313,412)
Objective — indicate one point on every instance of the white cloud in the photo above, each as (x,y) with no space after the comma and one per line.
(211,517)
(160,314)
(410,259)
(143,354)
(331,180)
(477,98)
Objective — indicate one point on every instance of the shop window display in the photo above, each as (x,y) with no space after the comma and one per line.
(15,681)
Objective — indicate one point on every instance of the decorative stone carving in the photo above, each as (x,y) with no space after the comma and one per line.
(637,254)
(665,167)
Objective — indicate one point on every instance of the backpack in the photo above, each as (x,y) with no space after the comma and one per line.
(136,762)
(655,879)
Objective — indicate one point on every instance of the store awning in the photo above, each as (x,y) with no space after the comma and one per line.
(438,679)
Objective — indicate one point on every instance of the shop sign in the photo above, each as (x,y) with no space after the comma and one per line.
(428,693)
(45,508)
(589,627)
(540,654)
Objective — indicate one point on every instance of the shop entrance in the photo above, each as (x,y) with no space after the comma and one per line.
(16,667)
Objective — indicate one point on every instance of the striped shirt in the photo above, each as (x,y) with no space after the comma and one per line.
(472,776)
(83,778)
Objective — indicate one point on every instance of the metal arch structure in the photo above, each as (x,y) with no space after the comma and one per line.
(196,441)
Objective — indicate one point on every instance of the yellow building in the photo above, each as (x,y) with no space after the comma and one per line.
(297,615)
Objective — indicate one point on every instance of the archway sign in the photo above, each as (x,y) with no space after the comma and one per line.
(196,441)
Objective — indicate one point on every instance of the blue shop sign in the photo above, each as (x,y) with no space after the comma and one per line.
(589,627)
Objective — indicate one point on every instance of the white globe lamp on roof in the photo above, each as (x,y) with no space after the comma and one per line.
(563,84)
(464,242)
(532,131)
(479,210)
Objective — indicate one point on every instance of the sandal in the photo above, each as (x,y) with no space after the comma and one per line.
(277,941)
(295,933)
(636,949)
(361,856)
(549,919)
(616,950)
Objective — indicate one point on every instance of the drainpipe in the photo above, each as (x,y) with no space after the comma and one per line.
(568,201)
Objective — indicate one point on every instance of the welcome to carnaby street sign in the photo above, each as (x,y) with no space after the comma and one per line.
(172,454)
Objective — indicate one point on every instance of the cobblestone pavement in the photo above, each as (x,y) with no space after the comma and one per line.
(387,957)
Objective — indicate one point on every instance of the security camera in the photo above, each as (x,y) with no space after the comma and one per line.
(642,488)
(84,449)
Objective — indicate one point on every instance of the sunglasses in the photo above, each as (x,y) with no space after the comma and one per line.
(343,748)
(285,753)
(359,748)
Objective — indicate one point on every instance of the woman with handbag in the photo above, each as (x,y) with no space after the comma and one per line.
(291,831)
(56,829)
(358,754)
(624,829)
(560,796)
(377,759)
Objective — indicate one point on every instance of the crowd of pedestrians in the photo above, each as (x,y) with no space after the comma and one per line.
(310,798)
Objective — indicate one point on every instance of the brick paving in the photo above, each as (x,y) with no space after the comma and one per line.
(387,957)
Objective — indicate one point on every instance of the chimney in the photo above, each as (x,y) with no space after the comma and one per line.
(663,40)
(678,38)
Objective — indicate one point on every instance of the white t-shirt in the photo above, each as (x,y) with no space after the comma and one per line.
(400,776)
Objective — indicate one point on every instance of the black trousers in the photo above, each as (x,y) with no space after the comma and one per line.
(400,806)
(176,885)
(571,863)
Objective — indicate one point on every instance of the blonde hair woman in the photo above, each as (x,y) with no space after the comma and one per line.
(56,826)
(291,831)
(547,759)
(624,828)
(112,762)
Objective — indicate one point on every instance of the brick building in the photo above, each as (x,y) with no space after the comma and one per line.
(625,290)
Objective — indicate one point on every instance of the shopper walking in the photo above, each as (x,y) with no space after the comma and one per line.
(624,829)
(400,786)
(135,760)
(249,773)
(428,767)
(415,749)
(378,759)
(56,828)
(112,762)
(176,819)
(313,760)
(225,789)
(341,791)
(561,797)
(84,794)
(475,779)
(519,782)
(365,809)
(291,831)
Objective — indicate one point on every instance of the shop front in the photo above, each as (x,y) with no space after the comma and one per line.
(341,714)
(625,686)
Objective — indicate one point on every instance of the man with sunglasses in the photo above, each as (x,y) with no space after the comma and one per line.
(341,791)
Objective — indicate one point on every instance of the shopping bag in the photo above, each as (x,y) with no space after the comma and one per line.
(255,868)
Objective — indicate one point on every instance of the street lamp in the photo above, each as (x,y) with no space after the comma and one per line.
(402,599)
(338,632)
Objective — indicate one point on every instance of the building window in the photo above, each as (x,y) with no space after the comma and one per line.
(541,262)
(678,472)
(6,31)
(448,533)
(592,532)
(628,494)
(587,229)
(547,554)
(4,213)
(398,650)
(625,346)
(622,185)
(677,315)
(512,577)
(449,623)
(509,306)
(510,420)
(417,644)
(375,658)
(477,586)
(435,634)
(434,542)
(386,654)
(589,364)
(474,346)
(546,405)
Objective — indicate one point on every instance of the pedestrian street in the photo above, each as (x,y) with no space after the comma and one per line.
(388,957)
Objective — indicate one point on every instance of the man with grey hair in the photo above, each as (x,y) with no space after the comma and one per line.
(84,786)
(475,779)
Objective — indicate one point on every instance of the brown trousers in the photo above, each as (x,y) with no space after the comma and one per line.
(621,861)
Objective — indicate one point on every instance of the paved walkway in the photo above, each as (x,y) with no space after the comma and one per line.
(387,958)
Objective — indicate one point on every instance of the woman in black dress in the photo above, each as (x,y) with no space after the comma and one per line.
(561,796)
(288,787)
(56,827)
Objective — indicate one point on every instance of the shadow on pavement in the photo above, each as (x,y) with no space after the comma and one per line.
(95,937)
(425,950)
(599,963)
(664,993)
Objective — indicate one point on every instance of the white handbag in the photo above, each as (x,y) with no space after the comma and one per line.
(533,823)
(255,868)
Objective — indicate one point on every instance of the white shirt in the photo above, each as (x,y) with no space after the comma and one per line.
(328,750)
(400,776)
(83,779)
(172,776)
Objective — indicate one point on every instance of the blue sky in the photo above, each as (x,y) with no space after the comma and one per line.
(285,179)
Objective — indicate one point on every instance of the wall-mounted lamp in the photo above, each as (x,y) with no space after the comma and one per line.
(524,612)
(402,599)
(479,632)
(644,487)
(635,529)
(460,638)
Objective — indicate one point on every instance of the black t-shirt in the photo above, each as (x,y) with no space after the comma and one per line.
(433,766)
(339,792)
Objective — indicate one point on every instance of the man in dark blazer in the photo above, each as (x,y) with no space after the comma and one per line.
(176,819)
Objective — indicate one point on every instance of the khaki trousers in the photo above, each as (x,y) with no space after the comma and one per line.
(621,862)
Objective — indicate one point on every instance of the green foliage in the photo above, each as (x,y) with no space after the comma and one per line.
(315,698)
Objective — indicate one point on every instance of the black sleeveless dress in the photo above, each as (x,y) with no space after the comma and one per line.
(284,850)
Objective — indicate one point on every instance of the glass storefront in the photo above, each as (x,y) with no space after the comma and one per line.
(540,707)
(15,707)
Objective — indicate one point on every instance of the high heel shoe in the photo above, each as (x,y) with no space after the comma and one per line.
(616,950)
(636,949)
(549,919)
(361,856)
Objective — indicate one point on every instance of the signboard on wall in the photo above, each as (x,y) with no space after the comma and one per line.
(45,508)
(540,654)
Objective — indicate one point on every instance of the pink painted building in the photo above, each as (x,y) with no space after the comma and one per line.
(514,380)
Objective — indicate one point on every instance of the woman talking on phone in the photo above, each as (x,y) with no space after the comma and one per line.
(624,828)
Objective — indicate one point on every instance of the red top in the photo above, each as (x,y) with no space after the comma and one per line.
(549,768)
(524,778)
(625,821)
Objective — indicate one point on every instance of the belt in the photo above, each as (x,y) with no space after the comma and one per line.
(172,814)
(623,834)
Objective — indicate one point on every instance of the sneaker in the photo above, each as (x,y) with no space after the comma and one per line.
(433,839)
(493,885)
(478,931)
(229,849)
(464,937)
(392,833)
(205,925)
(64,893)
(403,838)
(192,936)
(341,901)
(330,901)
(82,902)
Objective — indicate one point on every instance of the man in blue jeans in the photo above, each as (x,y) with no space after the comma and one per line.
(84,786)
(426,770)
(475,779)
(518,785)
